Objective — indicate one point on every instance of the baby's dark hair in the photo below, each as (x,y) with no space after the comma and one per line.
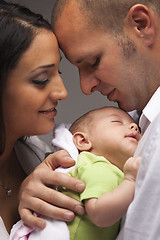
(83,122)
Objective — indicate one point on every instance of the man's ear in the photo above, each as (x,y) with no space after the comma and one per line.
(140,18)
(82,141)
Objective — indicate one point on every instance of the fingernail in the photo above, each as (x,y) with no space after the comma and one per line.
(68,158)
(80,187)
(41,224)
(79,210)
(68,216)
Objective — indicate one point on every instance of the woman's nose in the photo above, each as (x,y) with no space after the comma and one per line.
(58,91)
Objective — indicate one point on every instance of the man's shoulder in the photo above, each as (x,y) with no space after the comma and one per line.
(154,126)
(150,139)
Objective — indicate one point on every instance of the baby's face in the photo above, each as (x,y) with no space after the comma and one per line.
(114,135)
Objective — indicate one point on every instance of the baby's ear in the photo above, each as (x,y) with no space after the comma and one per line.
(82,141)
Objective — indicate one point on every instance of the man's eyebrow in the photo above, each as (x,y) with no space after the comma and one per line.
(43,66)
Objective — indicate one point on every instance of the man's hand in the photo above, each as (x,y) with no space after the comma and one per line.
(37,193)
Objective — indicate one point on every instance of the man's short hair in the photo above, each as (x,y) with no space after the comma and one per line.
(108,14)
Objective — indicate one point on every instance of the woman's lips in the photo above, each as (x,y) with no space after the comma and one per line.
(49,112)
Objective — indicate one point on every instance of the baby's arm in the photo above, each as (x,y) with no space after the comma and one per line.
(111,206)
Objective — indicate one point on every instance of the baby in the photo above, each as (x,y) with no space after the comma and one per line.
(106,139)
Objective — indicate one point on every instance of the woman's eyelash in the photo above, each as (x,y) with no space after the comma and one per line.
(59,71)
(40,83)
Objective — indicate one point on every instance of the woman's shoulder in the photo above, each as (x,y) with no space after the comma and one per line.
(37,144)
(3,232)
(31,152)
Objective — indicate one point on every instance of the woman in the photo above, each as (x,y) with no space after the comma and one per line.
(30,88)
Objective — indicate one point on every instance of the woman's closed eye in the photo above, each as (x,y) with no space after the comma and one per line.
(41,79)
(40,83)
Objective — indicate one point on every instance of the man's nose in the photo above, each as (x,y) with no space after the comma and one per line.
(88,83)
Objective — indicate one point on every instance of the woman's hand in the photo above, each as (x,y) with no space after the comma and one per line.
(37,193)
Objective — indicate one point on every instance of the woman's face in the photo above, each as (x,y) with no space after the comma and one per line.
(33,89)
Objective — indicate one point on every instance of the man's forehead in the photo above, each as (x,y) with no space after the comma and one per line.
(70,16)
(77,51)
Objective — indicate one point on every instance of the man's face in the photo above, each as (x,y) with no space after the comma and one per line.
(114,67)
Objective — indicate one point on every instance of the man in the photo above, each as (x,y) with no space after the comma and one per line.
(115,45)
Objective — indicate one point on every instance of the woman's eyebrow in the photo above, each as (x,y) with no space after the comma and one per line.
(43,66)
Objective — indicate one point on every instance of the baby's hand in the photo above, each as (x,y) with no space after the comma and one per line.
(131,167)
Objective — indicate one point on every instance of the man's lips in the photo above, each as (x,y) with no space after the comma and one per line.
(110,95)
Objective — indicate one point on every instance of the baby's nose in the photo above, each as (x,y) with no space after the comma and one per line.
(134,126)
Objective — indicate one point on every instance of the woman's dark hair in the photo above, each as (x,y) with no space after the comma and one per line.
(18,28)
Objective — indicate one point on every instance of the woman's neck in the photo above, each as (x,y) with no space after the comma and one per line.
(10,140)
(6,159)
(11,176)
